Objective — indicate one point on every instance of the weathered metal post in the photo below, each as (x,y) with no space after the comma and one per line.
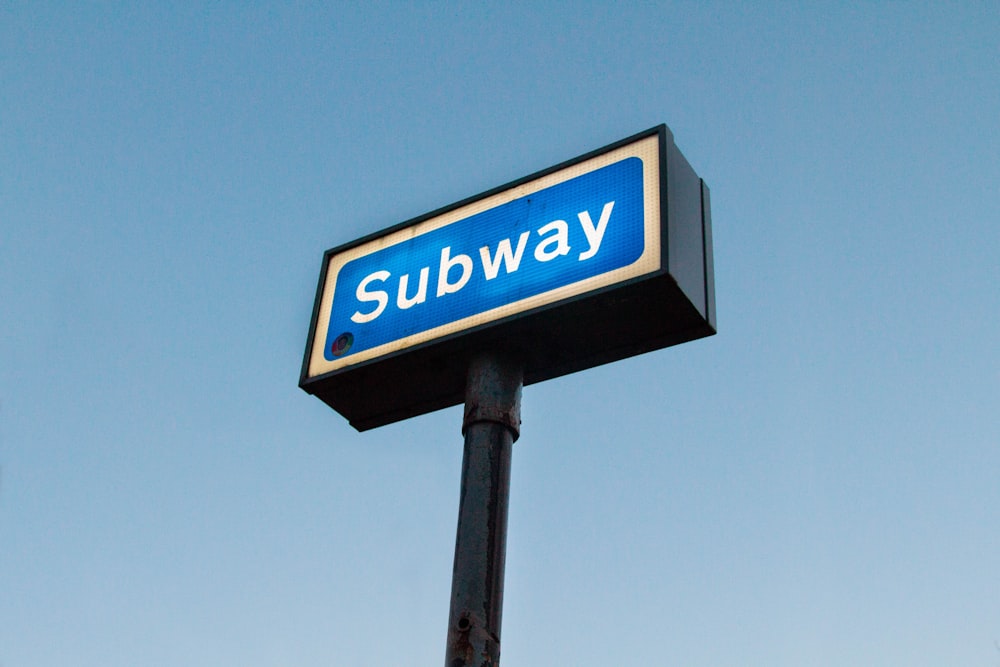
(491,425)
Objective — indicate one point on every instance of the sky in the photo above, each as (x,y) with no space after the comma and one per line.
(817,484)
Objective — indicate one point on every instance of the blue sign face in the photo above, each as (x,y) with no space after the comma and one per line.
(552,238)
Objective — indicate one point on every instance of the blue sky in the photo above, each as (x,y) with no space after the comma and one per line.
(815,485)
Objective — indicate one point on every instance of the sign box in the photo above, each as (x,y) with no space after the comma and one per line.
(602,257)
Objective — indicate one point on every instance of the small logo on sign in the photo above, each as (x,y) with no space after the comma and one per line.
(342,344)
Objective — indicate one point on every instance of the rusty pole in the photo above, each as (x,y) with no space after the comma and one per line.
(491,425)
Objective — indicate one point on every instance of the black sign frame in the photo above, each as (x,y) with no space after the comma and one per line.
(672,305)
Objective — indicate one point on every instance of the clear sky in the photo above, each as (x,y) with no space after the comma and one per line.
(818,484)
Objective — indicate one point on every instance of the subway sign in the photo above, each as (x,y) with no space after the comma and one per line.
(599,258)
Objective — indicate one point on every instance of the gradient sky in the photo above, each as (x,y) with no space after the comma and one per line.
(818,484)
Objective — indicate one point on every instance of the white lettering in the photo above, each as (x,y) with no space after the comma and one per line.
(447,262)
(560,239)
(511,259)
(552,244)
(364,296)
(405,302)
(594,235)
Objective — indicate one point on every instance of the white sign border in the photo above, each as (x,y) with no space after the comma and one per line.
(647,149)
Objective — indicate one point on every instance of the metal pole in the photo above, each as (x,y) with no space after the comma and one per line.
(491,425)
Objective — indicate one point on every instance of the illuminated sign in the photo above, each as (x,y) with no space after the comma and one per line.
(398,312)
